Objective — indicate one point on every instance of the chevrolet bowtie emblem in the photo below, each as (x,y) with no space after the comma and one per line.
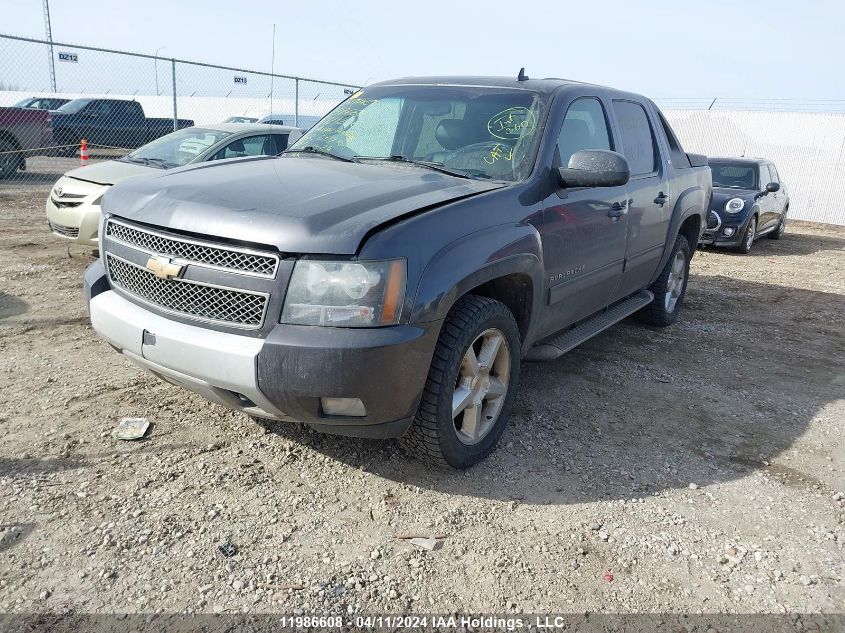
(163,268)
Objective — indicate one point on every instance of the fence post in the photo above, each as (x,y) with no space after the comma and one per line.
(173,74)
(296,104)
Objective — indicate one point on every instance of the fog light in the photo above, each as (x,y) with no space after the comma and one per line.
(343,406)
(728,232)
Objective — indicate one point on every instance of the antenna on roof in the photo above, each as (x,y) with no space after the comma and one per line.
(522,76)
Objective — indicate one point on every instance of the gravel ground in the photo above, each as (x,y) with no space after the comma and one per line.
(696,468)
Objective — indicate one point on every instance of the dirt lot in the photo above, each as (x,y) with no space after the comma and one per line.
(696,468)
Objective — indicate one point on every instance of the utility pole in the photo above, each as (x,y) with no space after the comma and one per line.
(272,68)
(50,39)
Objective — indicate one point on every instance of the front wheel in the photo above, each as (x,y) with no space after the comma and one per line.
(669,288)
(748,239)
(470,386)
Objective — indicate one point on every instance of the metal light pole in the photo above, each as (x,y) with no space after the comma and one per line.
(50,39)
(155,63)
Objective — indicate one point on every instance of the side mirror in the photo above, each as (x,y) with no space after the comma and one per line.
(595,168)
(772,187)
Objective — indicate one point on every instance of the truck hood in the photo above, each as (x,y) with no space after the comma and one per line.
(298,204)
(111,172)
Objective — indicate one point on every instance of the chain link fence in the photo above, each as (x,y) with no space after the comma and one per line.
(118,101)
(121,100)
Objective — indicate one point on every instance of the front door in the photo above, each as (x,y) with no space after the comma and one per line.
(583,230)
(649,198)
(767,201)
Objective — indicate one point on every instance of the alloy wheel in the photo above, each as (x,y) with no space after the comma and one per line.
(675,283)
(481,386)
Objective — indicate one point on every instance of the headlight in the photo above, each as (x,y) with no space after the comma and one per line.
(734,205)
(345,294)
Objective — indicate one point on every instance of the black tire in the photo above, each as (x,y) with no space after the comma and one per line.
(778,232)
(10,159)
(433,436)
(747,242)
(662,312)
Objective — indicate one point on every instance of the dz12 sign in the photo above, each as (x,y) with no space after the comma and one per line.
(240,80)
(68,57)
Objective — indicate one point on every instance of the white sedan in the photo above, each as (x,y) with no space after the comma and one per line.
(73,206)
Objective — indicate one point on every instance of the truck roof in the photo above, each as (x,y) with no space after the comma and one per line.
(547,85)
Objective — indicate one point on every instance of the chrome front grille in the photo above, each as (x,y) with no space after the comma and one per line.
(64,231)
(234,259)
(206,302)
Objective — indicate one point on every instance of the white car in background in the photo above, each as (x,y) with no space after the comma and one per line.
(73,206)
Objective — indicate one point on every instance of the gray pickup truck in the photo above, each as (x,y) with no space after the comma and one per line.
(386,276)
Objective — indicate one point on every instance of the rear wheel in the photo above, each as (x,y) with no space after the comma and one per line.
(470,386)
(748,238)
(669,288)
(10,158)
(778,232)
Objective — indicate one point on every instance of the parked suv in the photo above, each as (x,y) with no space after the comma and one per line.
(387,275)
(749,201)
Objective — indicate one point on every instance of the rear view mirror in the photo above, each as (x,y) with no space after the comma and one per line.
(595,168)
(772,187)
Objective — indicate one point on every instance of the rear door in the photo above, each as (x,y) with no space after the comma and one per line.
(97,126)
(583,230)
(649,198)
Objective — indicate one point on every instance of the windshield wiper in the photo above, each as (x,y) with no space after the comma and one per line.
(310,149)
(398,158)
(153,162)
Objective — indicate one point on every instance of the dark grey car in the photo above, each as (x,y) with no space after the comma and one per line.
(749,201)
(387,275)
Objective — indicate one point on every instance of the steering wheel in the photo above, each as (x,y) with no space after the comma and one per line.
(486,156)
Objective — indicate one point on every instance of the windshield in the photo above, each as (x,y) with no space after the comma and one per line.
(241,119)
(177,148)
(482,132)
(734,175)
(72,107)
(23,103)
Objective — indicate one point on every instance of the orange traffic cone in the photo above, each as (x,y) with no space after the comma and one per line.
(83,153)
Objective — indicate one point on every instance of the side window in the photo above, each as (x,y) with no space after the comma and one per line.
(249,146)
(774,172)
(676,152)
(584,127)
(637,138)
(101,108)
(765,176)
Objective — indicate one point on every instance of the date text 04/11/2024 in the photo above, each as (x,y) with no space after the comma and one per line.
(507,623)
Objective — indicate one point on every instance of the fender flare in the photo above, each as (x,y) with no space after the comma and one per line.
(692,201)
(476,259)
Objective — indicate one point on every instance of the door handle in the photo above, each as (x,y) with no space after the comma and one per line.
(618,209)
(661,199)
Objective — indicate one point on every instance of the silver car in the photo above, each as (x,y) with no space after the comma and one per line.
(73,206)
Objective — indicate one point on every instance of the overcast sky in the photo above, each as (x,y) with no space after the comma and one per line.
(753,48)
